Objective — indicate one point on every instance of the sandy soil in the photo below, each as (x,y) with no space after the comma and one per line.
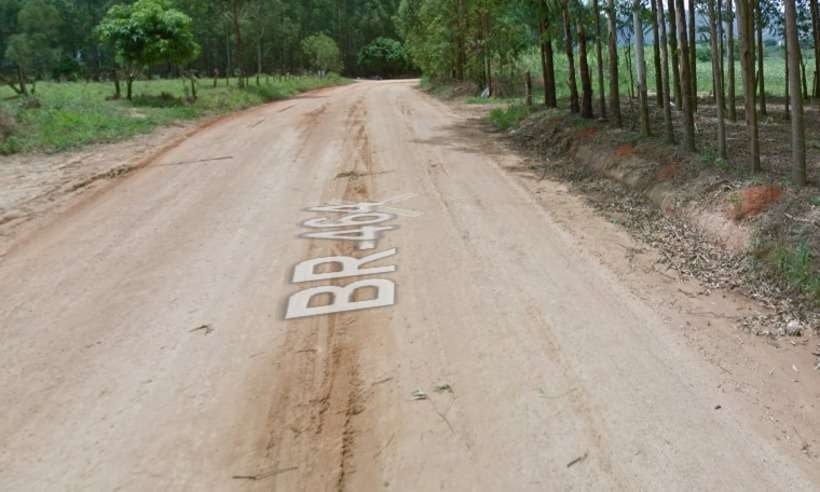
(145,346)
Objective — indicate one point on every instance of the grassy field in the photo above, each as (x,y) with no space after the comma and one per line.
(773,60)
(67,115)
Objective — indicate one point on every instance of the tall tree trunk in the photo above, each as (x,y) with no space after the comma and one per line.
(803,72)
(787,114)
(586,79)
(129,87)
(761,74)
(574,105)
(643,99)
(614,80)
(629,69)
(237,29)
(815,23)
(228,59)
(718,78)
(193,85)
(693,57)
(21,81)
(528,87)
(745,22)
(721,50)
(673,53)
(730,61)
(258,59)
(117,90)
(656,48)
(547,64)
(667,108)
(798,128)
(599,55)
(686,82)
(461,46)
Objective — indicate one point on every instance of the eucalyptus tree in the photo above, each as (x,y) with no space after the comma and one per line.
(599,55)
(643,103)
(730,60)
(656,51)
(665,92)
(717,76)
(574,103)
(687,88)
(798,128)
(673,53)
(614,80)
(745,16)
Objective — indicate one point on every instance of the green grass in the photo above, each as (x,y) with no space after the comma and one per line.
(795,264)
(509,117)
(73,114)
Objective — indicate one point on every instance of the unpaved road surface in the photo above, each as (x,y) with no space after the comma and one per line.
(145,345)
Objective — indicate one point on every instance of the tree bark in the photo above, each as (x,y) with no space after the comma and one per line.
(574,104)
(614,89)
(21,80)
(656,48)
(721,49)
(686,82)
(798,128)
(461,55)
(237,29)
(693,57)
(787,116)
(717,76)
(117,91)
(629,69)
(667,108)
(586,79)
(258,60)
(547,63)
(528,87)
(673,53)
(745,18)
(643,99)
(599,54)
(761,74)
(815,23)
(730,52)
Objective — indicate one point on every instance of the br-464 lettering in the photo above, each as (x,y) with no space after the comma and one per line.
(360,224)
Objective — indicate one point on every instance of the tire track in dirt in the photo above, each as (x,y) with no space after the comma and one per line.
(320,393)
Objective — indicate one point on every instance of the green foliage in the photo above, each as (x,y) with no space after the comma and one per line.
(322,53)
(384,56)
(149,32)
(32,46)
(76,114)
(445,38)
(509,117)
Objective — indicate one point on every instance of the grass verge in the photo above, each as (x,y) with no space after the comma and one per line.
(63,116)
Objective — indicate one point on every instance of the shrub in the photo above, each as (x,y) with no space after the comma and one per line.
(511,117)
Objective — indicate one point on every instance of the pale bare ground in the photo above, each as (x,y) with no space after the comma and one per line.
(144,345)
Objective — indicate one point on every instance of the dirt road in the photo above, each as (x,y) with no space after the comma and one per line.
(145,345)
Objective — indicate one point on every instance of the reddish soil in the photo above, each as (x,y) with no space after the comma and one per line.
(751,201)
(625,150)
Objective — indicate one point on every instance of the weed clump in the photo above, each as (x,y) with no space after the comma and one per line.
(510,117)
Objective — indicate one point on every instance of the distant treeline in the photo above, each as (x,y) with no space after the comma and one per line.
(60,39)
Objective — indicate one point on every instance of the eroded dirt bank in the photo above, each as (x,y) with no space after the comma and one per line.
(533,344)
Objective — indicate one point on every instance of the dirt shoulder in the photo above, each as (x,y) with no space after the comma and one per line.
(37,187)
(756,235)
